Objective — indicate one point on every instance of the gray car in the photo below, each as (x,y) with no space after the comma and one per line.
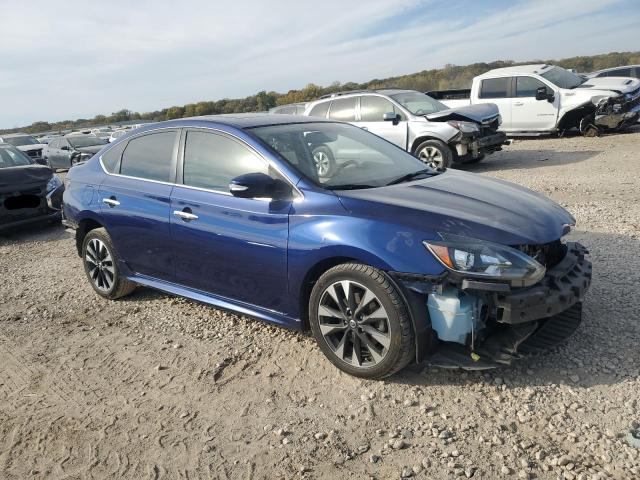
(430,130)
(66,151)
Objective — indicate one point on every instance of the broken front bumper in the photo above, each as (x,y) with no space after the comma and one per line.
(471,146)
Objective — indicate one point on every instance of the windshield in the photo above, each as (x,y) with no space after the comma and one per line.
(419,103)
(20,141)
(340,156)
(563,78)
(10,157)
(86,141)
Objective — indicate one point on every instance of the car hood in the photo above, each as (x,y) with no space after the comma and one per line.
(464,204)
(616,84)
(480,113)
(91,149)
(15,178)
(30,148)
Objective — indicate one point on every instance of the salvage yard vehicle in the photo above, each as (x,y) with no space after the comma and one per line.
(387,261)
(29,192)
(543,99)
(25,143)
(624,71)
(290,109)
(66,151)
(436,134)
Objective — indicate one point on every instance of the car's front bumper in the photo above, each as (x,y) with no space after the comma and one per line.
(470,146)
(47,211)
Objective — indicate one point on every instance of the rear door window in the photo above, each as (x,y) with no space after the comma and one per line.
(495,88)
(150,157)
(320,110)
(343,109)
(527,86)
(212,160)
(620,72)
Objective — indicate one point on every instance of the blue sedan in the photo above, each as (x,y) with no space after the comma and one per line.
(384,260)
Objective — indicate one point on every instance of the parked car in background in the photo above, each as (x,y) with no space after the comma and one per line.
(102,132)
(543,99)
(117,134)
(73,148)
(29,192)
(386,260)
(436,134)
(45,139)
(625,71)
(290,109)
(25,143)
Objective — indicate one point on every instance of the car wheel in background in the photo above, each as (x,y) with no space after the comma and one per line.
(360,321)
(435,154)
(100,261)
(324,161)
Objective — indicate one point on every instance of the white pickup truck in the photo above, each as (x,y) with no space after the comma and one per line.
(542,99)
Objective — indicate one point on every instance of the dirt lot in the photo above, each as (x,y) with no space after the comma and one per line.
(154,387)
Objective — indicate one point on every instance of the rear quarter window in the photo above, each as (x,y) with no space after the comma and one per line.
(111,159)
(495,88)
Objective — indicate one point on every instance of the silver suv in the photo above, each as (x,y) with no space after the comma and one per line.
(430,130)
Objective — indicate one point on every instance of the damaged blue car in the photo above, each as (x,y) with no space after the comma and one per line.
(386,260)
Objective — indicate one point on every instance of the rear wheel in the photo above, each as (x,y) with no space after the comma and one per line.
(101,266)
(435,154)
(360,321)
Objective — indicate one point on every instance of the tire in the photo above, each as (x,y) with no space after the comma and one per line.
(324,161)
(435,153)
(100,261)
(347,332)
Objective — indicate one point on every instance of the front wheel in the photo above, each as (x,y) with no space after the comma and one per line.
(435,154)
(360,321)
(101,266)
(324,161)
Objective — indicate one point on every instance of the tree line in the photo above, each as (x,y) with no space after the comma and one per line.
(449,77)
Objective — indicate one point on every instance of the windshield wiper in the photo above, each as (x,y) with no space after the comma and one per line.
(350,186)
(412,175)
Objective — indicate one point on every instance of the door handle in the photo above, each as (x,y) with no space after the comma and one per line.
(112,202)
(518,104)
(186,216)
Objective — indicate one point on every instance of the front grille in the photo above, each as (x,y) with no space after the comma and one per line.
(549,254)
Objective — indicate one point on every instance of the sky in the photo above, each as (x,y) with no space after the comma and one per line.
(68,59)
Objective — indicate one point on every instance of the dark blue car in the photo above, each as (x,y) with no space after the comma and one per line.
(386,261)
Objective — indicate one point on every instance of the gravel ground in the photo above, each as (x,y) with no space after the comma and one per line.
(154,386)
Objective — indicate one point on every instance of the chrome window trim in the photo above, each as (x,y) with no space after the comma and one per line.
(300,195)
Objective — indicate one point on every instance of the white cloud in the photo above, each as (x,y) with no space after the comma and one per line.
(71,59)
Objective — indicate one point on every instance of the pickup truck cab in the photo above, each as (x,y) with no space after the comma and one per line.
(542,99)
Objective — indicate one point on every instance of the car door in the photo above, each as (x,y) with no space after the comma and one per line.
(372,110)
(224,245)
(498,91)
(51,152)
(135,199)
(529,114)
(64,154)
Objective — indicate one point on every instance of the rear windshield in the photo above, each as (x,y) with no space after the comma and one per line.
(419,103)
(20,141)
(13,158)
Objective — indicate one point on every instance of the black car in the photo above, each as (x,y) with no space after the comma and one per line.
(29,192)
(67,151)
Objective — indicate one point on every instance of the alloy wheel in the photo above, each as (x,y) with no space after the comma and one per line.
(323,163)
(432,156)
(100,265)
(354,324)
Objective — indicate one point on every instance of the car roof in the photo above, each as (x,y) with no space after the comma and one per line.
(14,135)
(238,120)
(614,68)
(380,91)
(537,68)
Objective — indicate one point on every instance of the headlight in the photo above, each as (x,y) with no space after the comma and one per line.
(54,182)
(465,127)
(491,261)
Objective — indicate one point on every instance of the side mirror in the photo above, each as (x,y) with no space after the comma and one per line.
(259,185)
(41,161)
(391,117)
(542,93)
(64,147)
